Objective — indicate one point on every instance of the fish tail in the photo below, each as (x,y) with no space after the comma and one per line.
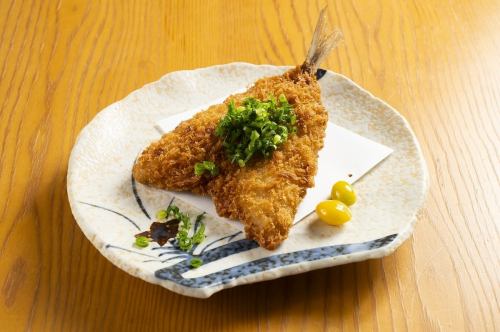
(323,41)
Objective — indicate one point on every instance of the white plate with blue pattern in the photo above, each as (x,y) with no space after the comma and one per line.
(110,207)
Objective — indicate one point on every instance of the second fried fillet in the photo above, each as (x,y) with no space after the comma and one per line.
(265,194)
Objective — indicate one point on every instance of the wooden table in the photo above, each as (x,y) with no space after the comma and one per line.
(436,61)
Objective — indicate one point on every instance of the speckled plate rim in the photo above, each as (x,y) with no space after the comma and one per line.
(116,259)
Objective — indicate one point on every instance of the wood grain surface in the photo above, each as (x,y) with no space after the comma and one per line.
(436,61)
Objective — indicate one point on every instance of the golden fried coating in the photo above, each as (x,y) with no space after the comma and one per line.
(169,162)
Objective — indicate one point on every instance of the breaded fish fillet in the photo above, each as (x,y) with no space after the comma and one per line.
(265,194)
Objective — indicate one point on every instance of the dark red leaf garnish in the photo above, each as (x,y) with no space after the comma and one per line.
(161,232)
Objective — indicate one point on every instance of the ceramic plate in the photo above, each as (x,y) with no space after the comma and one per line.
(110,207)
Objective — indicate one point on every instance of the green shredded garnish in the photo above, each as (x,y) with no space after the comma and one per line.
(256,128)
(199,236)
(141,241)
(209,166)
(196,262)
(184,241)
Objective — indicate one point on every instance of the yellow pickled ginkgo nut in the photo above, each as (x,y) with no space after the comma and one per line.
(333,212)
(343,192)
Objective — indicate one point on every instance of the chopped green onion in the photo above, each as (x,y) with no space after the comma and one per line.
(256,127)
(141,241)
(196,262)
(200,168)
(162,214)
